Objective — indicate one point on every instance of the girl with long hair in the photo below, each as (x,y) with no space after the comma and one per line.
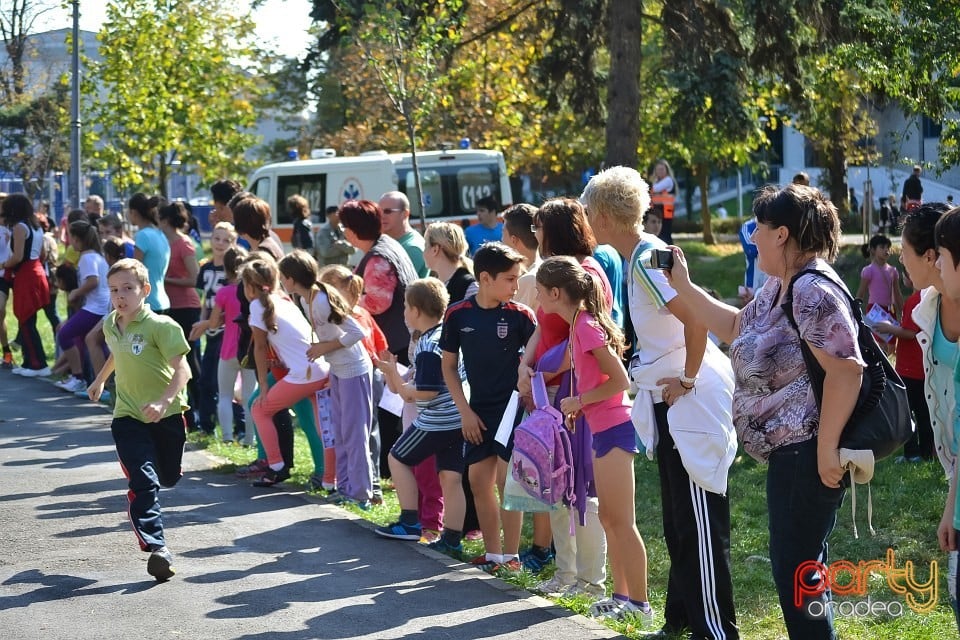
(600,384)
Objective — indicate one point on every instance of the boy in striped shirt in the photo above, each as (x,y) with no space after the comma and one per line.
(436,430)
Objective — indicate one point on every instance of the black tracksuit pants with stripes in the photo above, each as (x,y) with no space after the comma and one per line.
(696,526)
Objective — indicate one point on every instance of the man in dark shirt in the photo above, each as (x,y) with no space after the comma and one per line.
(912,196)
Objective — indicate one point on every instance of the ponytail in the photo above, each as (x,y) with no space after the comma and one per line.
(581,287)
(262,276)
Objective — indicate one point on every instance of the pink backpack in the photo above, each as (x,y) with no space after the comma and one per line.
(542,461)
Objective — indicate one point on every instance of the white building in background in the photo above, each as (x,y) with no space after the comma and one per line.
(48,59)
(901,143)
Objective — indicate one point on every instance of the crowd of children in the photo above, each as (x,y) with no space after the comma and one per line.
(280,332)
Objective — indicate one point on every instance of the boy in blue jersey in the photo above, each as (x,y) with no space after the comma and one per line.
(490,332)
(436,430)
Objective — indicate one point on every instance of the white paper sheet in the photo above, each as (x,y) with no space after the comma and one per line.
(506,422)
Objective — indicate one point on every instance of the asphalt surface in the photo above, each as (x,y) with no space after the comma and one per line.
(251,563)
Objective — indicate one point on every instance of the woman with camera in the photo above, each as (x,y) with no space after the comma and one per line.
(774,407)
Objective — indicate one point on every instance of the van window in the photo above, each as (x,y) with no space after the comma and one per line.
(454,190)
(311,187)
(262,189)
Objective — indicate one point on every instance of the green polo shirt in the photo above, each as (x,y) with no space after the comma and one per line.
(142,354)
(414,244)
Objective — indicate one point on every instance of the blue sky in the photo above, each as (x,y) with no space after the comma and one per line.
(281,23)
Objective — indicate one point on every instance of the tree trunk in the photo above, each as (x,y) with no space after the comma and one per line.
(412,132)
(703,173)
(162,176)
(838,177)
(623,84)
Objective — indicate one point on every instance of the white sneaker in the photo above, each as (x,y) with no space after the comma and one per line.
(630,612)
(606,608)
(586,589)
(555,587)
(34,373)
(73,384)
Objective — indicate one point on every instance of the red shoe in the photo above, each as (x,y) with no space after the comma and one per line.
(255,469)
(7,360)
(481,562)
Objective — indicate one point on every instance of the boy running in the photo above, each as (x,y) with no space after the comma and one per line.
(147,351)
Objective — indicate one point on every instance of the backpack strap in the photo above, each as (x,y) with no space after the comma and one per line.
(541,398)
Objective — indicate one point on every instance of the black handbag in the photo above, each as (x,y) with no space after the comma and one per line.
(881,420)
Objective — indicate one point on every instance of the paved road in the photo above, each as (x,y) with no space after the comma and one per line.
(252,564)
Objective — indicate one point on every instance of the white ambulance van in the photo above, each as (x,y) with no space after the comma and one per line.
(452,182)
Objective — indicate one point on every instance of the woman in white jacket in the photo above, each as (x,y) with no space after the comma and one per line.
(937,316)
(682,411)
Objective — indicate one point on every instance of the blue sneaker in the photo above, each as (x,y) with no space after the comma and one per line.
(399,531)
(534,560)
(440,545)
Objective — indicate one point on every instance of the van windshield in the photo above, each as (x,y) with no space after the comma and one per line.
(452,191)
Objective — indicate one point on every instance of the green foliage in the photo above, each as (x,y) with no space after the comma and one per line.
(34,131)
(171,86)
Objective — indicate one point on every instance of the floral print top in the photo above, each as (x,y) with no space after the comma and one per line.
(773,404)
(379,282)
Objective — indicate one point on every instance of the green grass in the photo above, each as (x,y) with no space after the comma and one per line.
(907,500)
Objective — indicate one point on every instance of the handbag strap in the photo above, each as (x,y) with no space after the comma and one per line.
(869,350)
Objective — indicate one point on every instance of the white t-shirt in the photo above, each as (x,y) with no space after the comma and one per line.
(658,331)
(291,340)
(92,264)
(662,185)
(351,360)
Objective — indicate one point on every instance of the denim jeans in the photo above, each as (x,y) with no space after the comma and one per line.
(802,514)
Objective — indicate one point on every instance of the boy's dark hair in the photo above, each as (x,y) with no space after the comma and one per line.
(494,258)
(919,225)
(113,250)
(517,220)
(67,277)
(947,234)
(429,296)
(489,203)
(223,190)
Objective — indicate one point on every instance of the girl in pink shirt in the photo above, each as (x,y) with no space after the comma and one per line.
(879,279)
(879,284)
(599,391)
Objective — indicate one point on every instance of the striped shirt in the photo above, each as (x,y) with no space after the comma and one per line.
(439,413)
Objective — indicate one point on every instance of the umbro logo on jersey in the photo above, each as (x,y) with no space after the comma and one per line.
(466,329)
